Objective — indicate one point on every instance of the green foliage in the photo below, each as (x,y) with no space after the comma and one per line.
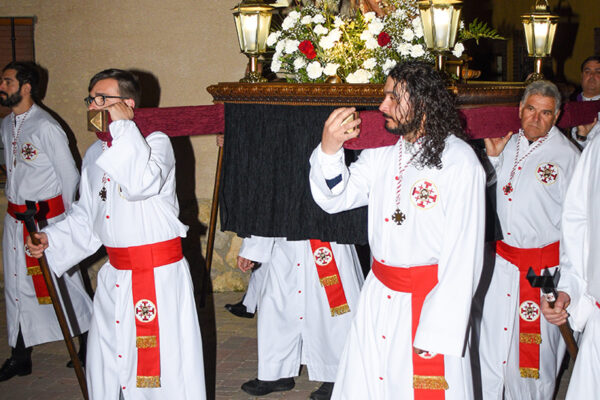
(478,30)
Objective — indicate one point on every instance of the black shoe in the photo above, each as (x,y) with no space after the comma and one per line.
(11,367)
(239,310)
(323,392)
(81,359)
(256,387)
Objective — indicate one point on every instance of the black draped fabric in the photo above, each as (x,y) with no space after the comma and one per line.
(265,187)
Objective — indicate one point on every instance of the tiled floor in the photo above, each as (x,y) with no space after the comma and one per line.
(230,360)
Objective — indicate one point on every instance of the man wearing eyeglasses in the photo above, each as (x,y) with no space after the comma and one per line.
(39,167)
(144,340)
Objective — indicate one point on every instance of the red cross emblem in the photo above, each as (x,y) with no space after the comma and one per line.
(424,194)
(145,310)
(28,152)
(322,256)
(427,355)
(529,311)
(547,173)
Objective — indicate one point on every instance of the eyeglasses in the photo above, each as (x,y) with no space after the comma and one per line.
(100,99)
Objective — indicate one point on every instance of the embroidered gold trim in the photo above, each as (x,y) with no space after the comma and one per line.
(339,310)
(530,373)
(329,280)
(35,270)
(45,300)
(145,342)
(148,381)
(430,382)
(531,338)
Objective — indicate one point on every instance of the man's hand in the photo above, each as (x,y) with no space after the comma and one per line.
(119,111)
(37,251)
(335,134)
(494,146)
(244,264)
(557,315)
(220,140)
(583,130)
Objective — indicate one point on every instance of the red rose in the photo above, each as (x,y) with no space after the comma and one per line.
(307,48)
(383,39)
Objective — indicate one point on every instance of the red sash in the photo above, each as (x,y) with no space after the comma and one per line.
(429,382)
(530,335)
(142,260)
(329,276)
(46,209)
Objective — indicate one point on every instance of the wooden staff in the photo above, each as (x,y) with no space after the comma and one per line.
(547,283)
(212,225)
(28,218)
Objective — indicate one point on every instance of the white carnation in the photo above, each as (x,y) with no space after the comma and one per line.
(369,63)
(299,63)
(288,23)
(306,20)
(388,65)
(375,26)
(335,34)
(280,46)
(417,27)
(458,50)
(372,43)
(417,51)
(314,70)
(408,35)
(337,21)
(294,15)
(326,43)
(365,35)
(359,76)
(275,65)
(369,16)
(273,37)
(331,69)
(320,30)
(404,49)
(318,19)
(291,46)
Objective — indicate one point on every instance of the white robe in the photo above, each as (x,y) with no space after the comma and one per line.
(530,218)
(45,169)
(580,269)
(447,230)
(141,208)
(295,325)
(255,285)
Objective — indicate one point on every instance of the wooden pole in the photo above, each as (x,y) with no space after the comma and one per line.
(27,217)
(210,242)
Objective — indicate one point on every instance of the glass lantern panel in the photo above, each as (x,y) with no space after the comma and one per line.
(540,32)
(442,19)
(249,23)
(238,27)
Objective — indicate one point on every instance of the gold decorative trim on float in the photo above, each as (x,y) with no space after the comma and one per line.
(324,94)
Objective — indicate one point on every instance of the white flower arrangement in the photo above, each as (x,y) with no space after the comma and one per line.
(363,49)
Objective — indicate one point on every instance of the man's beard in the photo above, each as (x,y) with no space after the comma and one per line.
(12,100)
(401,129)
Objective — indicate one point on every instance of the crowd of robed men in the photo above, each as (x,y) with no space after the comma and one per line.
(402,335)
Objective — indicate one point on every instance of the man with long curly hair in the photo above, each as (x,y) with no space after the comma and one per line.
(425,198)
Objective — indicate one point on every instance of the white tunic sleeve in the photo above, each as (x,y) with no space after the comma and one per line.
(257,248)
(140,166)
(445,312)
(353,190)
(577,236)
(54,141)
(73,239)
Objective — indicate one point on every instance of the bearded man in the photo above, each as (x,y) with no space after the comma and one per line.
(425,198)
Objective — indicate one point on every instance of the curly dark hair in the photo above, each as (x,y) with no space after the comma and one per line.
(432,109)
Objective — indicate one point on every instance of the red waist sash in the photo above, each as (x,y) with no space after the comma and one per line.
(329,276)
(530,335)
(46,209)
(429,382)
(142,260)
